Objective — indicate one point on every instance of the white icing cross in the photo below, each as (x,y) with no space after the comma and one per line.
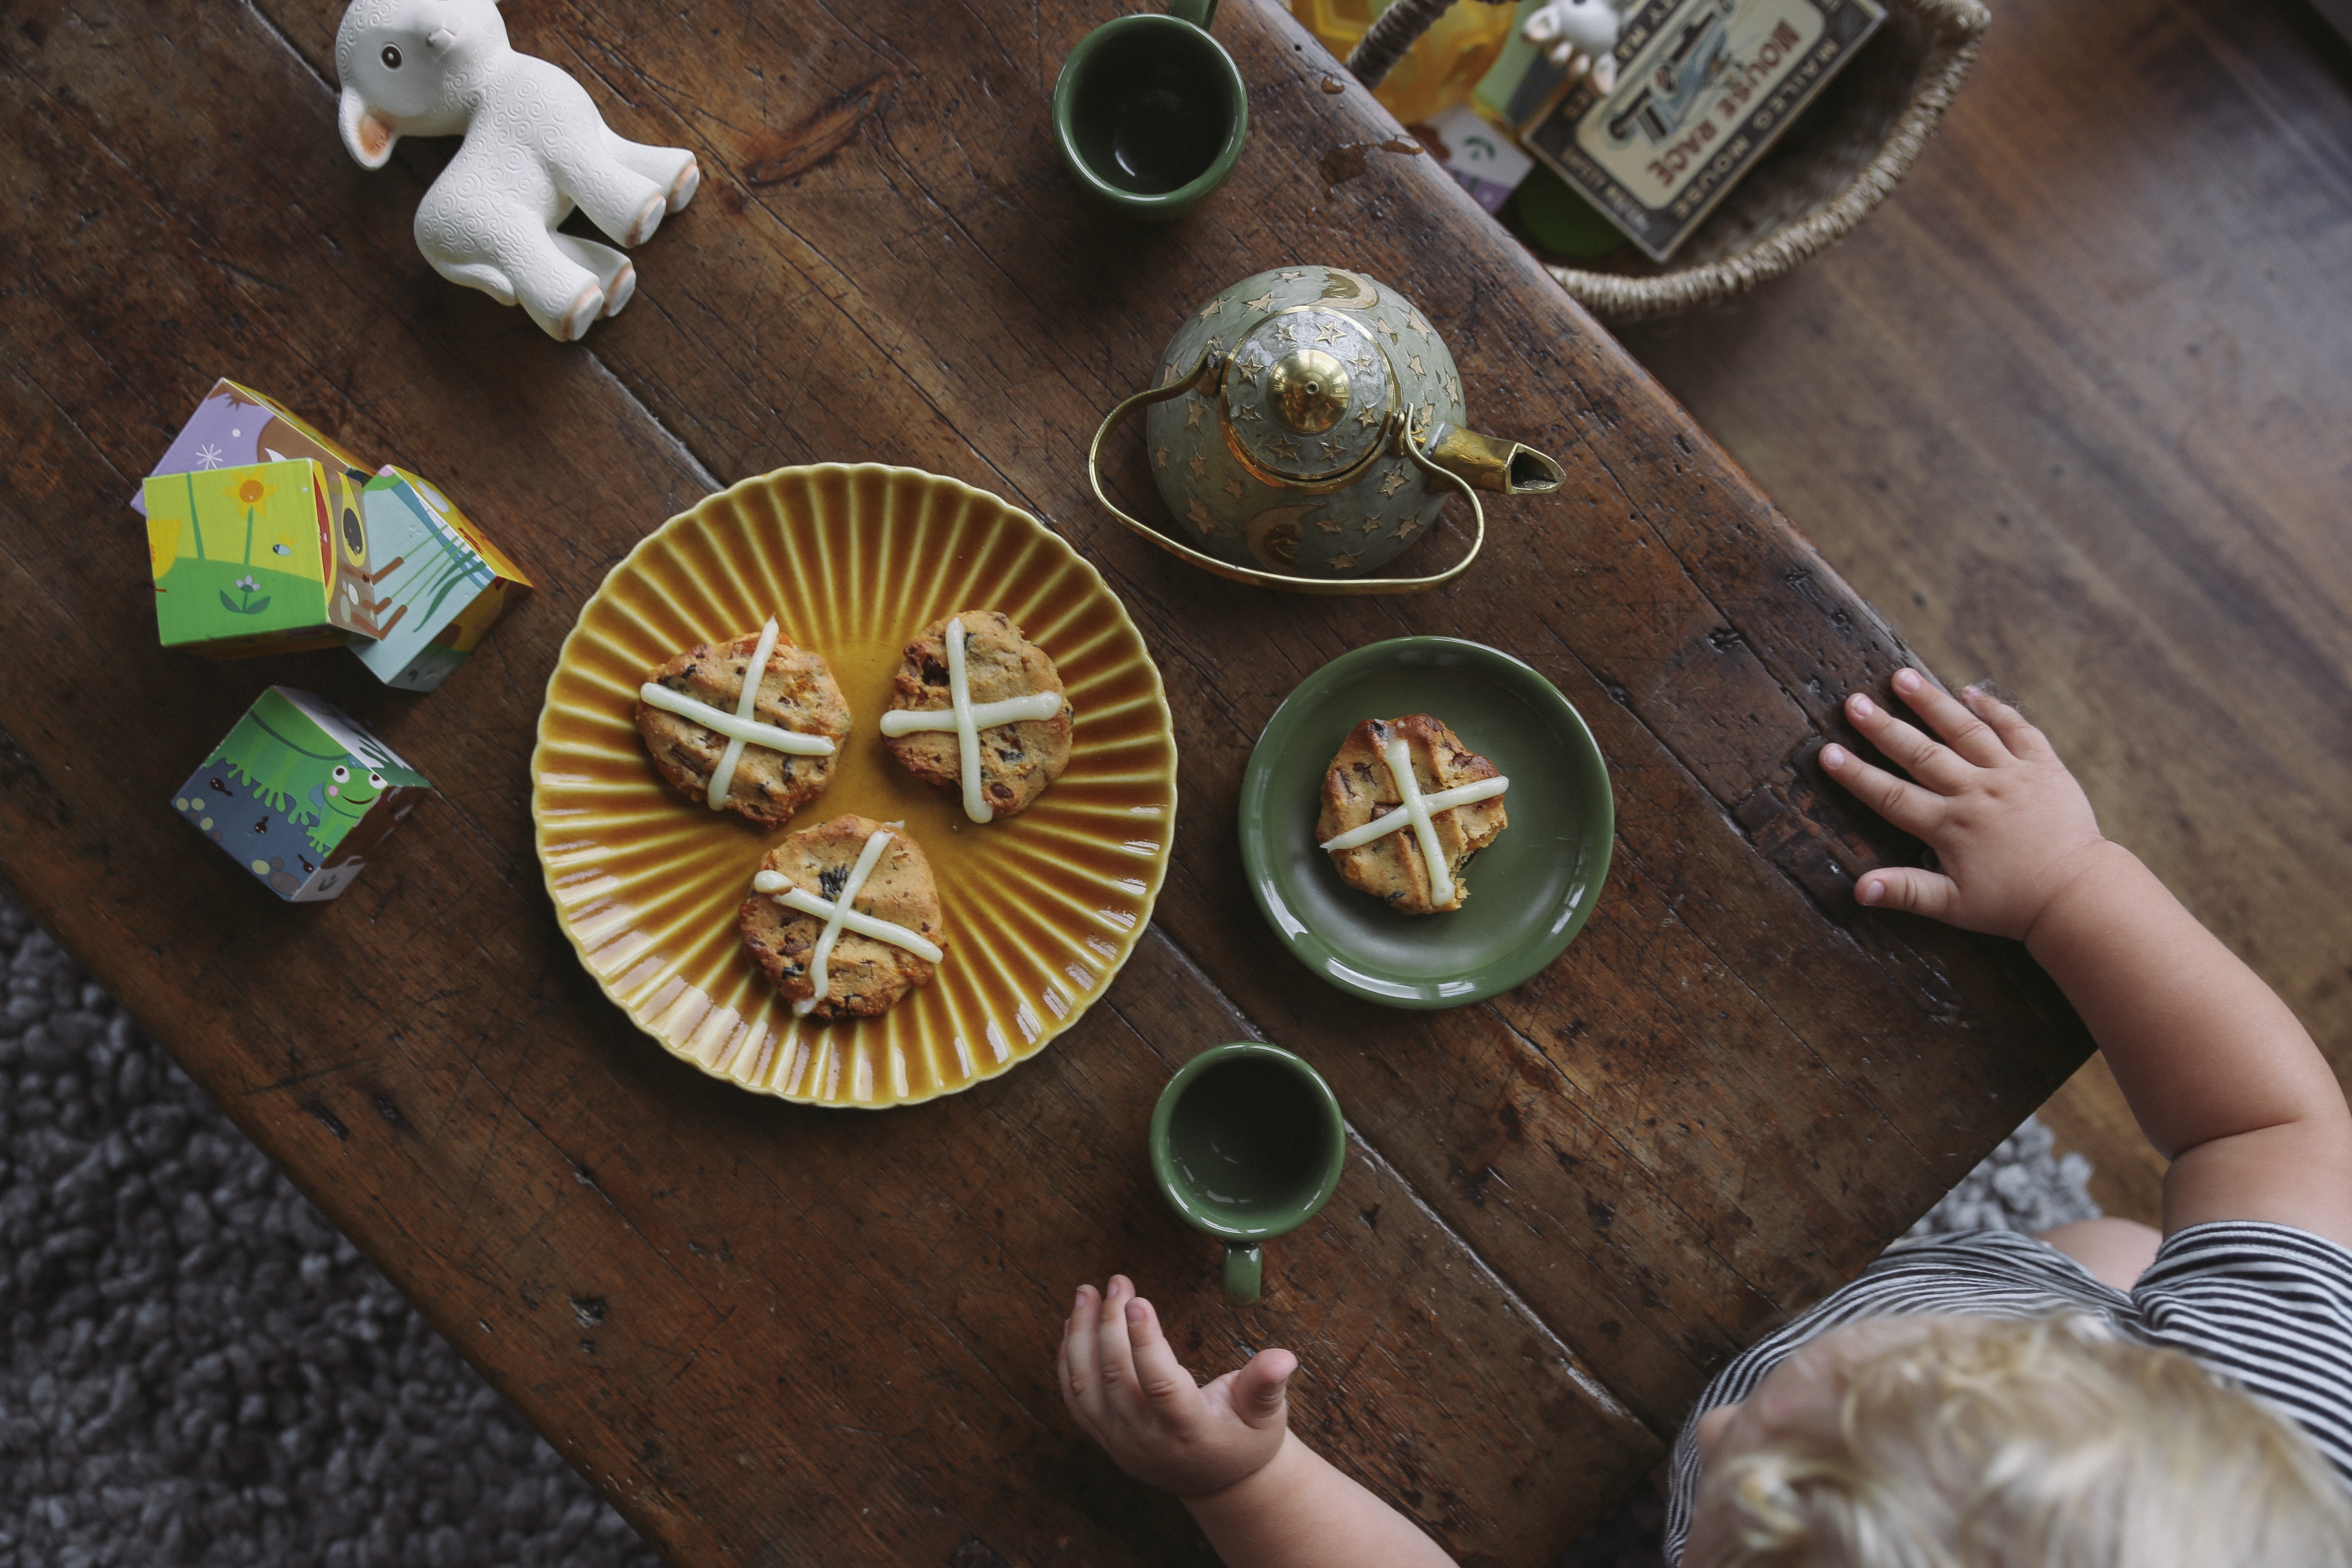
(1419,809)
(839,917)
(739,727)
(968,719)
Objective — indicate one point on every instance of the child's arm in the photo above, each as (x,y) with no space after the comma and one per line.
(1261,1496)
(2224,1081)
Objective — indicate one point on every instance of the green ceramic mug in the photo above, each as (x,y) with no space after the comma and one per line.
(1150,112)
(1247,1145)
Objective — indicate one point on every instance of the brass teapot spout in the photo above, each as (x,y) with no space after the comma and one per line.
(1506,467)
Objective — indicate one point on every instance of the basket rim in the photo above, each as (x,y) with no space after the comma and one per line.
(1957,28)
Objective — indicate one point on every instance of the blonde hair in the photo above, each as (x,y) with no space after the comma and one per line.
(2031,1443)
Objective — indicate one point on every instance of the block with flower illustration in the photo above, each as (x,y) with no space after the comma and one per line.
(247,561)
(299,794)
(437,584)
(234,426)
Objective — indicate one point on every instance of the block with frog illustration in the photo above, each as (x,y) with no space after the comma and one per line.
(236,425)
(437,585)
(300,795)
(247,559)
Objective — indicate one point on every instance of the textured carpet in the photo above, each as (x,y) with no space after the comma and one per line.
(202,1371)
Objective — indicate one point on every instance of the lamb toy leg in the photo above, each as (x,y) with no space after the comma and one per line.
(535,148)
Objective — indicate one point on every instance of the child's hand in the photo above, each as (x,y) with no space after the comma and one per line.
(2009,824)
(1126,1387)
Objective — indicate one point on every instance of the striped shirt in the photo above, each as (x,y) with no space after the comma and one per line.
(2265,1307)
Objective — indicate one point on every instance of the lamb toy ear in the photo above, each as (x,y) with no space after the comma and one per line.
(365,133)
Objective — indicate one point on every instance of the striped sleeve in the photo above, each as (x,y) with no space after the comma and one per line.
(2267,1307)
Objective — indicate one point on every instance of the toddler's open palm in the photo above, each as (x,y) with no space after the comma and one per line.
(2009,824)
(1125,1386)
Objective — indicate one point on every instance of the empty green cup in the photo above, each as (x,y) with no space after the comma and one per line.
(1247,1145)
(1150,112)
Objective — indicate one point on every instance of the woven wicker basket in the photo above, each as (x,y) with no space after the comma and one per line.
(1800,198)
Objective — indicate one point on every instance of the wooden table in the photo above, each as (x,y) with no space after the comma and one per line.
(775,1334)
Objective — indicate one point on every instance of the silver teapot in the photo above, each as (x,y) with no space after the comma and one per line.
(1309,425)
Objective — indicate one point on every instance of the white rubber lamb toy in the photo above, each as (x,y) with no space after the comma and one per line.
(1581,35)
(535,148)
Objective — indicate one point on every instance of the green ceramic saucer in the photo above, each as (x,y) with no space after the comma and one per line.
(1531,890)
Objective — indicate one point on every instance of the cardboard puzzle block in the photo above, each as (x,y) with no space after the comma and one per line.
(437,585)
(234,426)
(299,794)
(249,560)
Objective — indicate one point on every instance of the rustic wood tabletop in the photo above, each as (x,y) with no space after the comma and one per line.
(773,1333)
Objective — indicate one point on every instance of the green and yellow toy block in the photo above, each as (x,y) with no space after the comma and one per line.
(246,561)
(300,795)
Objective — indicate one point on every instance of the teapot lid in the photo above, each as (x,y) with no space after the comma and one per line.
(1307,396)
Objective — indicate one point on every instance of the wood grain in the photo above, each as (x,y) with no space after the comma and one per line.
(2072,408)
(771,1333)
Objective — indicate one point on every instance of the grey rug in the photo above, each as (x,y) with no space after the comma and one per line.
(200,1370)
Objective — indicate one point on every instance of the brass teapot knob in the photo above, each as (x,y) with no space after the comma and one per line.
(1309,391)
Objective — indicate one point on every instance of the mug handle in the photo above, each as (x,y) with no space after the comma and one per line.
(1226,568)
(1200,13)
(1244,1273)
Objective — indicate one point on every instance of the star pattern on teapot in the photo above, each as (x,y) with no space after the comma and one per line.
(1198,465)
(1333,449)
(1248,413)
(1263,302)
(1328,332)
(1192,413)
(1163,456)
(1327,524)
(1408,528)
(1290,276)
(1394,482)
(1199,514)
(1412,319)
(1245,373)
(1382,323)
(1452,384)
(1343,562)
(1285,448)
(1416,363)
(1235,489)
(1212,308)
(1364,361)
(1372,523)
(1368,417)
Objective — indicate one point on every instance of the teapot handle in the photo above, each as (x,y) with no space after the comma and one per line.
(1226,568)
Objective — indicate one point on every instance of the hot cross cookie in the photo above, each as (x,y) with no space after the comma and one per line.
(762,746)
(1405,805)
(844,918)
(977,707)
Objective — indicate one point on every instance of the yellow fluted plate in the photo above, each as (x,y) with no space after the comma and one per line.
(1041,908)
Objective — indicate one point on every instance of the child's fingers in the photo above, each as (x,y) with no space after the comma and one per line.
(1114,1357)
(1965,732)
(1906,804)
(1080,1380)
(1158,1373)
(1926,760)
(1258,1391)
(2022,738)
(1907,888)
